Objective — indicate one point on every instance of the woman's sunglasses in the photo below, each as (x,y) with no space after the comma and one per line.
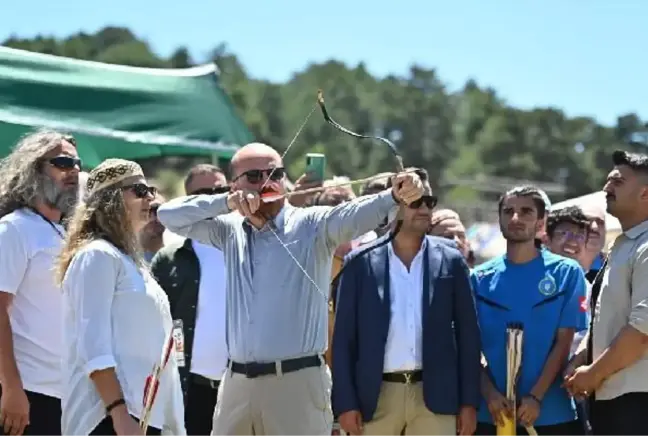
(429,200)
(256,176)
(141,190)
(211,191)
(66,162)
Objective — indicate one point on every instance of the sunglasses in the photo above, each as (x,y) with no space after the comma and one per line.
(429,200)
(211,191)
(256,176)
(65,162)
(141,190)
(565,235)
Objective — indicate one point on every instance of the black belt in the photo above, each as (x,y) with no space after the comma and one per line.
(254,369)
(204,381)
(406,377)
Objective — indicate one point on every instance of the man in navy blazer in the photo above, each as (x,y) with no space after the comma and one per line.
(406,343)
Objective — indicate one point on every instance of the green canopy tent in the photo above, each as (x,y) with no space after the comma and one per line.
(117,111)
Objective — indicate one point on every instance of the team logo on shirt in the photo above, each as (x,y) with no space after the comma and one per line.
(547,286)
(583,303)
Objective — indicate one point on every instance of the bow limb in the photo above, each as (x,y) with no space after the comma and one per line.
(392,147)
(400,168)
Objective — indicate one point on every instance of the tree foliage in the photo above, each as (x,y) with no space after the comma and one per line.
(472,142)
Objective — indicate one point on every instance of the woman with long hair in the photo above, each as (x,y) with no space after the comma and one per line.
(117,317)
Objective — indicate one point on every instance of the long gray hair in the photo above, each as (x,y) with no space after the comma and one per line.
(22,181)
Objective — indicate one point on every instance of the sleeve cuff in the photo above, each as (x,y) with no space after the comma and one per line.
(639,323)
(99,363)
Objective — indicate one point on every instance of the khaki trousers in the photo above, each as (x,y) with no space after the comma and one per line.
(401,405)
(298,402)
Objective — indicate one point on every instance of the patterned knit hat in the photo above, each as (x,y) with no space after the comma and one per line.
(111,172)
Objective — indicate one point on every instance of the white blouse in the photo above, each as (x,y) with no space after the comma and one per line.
(116,316)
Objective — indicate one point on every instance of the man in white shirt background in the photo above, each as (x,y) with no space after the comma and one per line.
(193,276)
(38,185)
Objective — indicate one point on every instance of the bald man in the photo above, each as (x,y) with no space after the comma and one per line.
(446,223)
(278,260)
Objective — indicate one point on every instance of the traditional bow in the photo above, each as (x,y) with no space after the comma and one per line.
(399,169)
(341,128)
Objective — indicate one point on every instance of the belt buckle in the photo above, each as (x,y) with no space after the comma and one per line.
(251,370)
(408,378)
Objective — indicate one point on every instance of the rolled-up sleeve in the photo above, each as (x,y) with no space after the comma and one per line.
(90,283)
(639,299)
(354,218)
(197,217)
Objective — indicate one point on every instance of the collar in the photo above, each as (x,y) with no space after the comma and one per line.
(421,250)
(278,222)
(636,231)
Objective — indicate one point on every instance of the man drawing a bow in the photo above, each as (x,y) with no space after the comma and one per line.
(278,261)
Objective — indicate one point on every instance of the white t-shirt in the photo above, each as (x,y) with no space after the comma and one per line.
(209,355)
(116,316)
(29,245)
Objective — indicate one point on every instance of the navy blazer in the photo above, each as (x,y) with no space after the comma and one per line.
(451,337)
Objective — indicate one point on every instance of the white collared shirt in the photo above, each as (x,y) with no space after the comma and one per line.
(28,247)
(404,347)
(209,350)
(116,316)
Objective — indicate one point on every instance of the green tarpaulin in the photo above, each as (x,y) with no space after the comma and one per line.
(117,111)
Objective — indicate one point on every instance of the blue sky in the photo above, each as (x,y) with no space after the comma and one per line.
(586,57)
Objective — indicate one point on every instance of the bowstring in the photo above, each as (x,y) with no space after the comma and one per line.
(292,256)
(299,265)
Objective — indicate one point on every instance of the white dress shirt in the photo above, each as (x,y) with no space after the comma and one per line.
(403,351)
(29,244)
(209,351)
(116,316)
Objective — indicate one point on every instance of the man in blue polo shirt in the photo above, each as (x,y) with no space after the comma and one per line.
(544,292)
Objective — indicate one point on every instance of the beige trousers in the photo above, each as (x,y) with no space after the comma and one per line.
(401,406)
(288,404)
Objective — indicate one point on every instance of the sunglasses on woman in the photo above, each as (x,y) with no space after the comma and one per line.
(429,200)
(66,162)
(257,176)
(142,190)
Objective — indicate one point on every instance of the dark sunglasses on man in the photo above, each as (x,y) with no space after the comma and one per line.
(257,176)
(429,200)
(211,191)
(141,190)
(66,162)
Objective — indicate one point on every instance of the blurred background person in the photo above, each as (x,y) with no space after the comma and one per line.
(117,318)
(38,186)
(567,234)
(594,255)
(446,223)
(151,236)
(373,187)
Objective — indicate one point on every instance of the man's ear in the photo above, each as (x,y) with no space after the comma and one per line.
(644,193)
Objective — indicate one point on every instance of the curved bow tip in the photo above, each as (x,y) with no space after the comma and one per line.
(320,96)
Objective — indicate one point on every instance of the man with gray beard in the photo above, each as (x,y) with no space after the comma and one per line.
(38,186)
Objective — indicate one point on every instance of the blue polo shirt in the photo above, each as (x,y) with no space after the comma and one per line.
(544,295)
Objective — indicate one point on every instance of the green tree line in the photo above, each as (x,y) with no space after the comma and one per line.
(473,144)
